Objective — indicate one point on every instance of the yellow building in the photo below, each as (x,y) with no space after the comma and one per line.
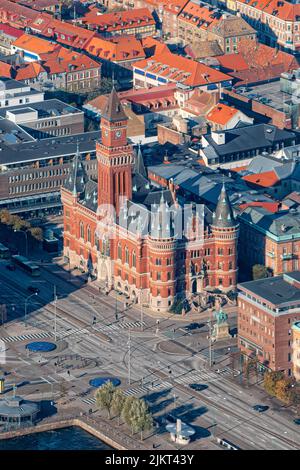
(231,5)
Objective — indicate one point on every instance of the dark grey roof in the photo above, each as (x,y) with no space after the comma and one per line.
(139,167)
(48,148)
(223,215)
(257,136)
(280,224)
(113,110)
(261,164)
(77,178)
(89,197)
(47,108)
(11,136)
(274,289)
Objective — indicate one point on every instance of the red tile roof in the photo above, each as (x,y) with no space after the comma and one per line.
(34,44)
(6,70)
(10,31)
(117,49)
(179,69)
(193,14)
(265,180)
(233,62)
(154,46)
(221,114)
(31,71)
(173,6)
(279,9)
(256,62)
(269,206)
(108,22)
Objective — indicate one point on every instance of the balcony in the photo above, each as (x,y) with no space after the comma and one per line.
(271,254)
(286,256)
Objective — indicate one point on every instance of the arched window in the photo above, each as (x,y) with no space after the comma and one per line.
(230,265)
(133,259)
(96,241)
(119,251)
(88,233)
(81,228)
(126,255)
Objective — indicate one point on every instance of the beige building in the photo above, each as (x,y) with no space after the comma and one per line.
(198,23)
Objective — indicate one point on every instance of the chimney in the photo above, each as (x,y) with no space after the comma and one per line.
(218,137)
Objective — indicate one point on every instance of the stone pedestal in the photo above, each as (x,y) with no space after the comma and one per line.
(220,331)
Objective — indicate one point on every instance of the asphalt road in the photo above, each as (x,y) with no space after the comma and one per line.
(134,354)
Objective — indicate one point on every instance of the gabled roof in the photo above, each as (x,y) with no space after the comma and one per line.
(265,180)
(34,44)
(221,114)
(179,69)
(121,20)
(10,31)
(31,70)
(119,48)
(6,70)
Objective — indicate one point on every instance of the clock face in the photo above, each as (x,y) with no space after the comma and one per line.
(118,134)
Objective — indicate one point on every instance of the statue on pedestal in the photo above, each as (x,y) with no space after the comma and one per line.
(221,327)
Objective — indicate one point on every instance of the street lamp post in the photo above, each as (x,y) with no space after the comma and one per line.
(55,311)
(26,236)
(142,312)
(129,357)
(26,303)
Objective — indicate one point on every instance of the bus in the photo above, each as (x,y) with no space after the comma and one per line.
(26,265)
(227,444)
(4,252)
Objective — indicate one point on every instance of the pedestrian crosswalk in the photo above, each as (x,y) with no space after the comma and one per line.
(89,401)
(147,388)
(200,376)
(113,327)
(12,339)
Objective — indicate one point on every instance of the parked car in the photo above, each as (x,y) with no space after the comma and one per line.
(198,387)
(297,421)
(260,408)
(193,326)
(170,418)
(33,289)
(10,267)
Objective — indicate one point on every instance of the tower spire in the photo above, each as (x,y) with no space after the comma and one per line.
(139,167)
(113,110)
(223,215)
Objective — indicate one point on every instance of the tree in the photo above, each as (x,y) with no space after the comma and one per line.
(104,396)
(117,403)
(259,272)
(37,233)
(270,380)
(283,389)
(137,416)
(141,419)
(128,403)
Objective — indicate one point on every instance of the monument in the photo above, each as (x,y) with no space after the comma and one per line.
(221,327)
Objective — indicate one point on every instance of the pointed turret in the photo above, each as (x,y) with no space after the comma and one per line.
(78,177)
(139,167)
(223,215)
(113,110)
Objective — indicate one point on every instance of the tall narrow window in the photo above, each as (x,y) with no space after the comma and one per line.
(133,259)
(81,228)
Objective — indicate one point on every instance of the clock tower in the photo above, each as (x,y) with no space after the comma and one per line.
(114,155)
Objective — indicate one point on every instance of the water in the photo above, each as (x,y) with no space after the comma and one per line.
(72,438)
